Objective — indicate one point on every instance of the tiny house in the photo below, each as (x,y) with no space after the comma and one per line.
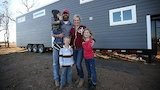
(131,26)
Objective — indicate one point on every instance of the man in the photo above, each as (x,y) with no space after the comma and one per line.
(66,26)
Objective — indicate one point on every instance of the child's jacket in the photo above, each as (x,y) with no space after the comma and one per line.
(88,49)
(66,56)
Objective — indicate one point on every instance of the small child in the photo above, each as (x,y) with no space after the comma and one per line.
(89,58)
(66,62)
(57,31)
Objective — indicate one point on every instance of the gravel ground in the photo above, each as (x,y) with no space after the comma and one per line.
(21,70)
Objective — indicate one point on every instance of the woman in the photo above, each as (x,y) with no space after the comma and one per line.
(76,43)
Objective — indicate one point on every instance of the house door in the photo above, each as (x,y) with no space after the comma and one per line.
(155,28)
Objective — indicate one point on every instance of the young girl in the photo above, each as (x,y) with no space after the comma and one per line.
(66,62)
(89,58)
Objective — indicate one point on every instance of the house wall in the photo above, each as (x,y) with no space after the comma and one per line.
(130,36)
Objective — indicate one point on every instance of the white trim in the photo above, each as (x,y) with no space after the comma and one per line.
(85,1)
(139,51)
(149,38)
(123,50)
(109,50)
(122,22)
(90,18)
(39,14)
(21,19)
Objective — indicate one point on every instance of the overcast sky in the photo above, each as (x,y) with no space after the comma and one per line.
(15,6)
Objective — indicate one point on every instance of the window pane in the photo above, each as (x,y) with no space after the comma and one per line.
(127,15)
(116,16)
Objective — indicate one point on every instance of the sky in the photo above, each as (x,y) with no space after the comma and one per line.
(15,7)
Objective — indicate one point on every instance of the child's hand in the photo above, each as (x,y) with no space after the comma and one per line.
(61,35)
(72,65)
(59,16)
(83,42)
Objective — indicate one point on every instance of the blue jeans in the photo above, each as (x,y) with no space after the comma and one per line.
(66,75)
(90,65)
(56,67)
(78,57)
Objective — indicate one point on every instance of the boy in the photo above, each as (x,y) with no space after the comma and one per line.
(66,62)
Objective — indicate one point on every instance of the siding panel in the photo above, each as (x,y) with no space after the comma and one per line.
(132,36)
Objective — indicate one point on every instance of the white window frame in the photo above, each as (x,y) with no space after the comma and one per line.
(85,1)
(21,19)
(123,22)
(39,14)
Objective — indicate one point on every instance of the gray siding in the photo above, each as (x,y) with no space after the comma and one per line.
(132,36)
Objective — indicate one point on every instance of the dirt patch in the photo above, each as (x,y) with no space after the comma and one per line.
(11,49)
(21,70)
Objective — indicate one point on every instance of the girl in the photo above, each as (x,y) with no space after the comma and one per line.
(89,58)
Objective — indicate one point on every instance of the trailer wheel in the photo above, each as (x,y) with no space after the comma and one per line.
(35,48)
(29,47)
(41,48)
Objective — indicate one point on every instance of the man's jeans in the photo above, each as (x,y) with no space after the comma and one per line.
(78,57)
(66,75)
(56,67)
(90,65)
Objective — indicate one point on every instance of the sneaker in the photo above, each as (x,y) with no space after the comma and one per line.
(57,83)
(81,82)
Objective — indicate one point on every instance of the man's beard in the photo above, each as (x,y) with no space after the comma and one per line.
(65,18)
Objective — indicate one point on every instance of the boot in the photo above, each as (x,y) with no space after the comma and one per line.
(92,87)
(81,82)
(77,81)
(57,83)
(89,84)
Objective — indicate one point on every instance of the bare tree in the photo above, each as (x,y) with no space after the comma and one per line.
(4,21)
(29,4)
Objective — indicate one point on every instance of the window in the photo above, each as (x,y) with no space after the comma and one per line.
(39,14)
(21,19)
(85,1)
(122,16)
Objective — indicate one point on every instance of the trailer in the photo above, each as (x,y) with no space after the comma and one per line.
(128,26)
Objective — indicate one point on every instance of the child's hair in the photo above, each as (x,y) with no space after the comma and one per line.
(87,29)
(54,13)
(67,37)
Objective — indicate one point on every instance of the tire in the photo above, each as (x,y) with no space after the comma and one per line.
(35,48)
(29,48)
(41,48)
